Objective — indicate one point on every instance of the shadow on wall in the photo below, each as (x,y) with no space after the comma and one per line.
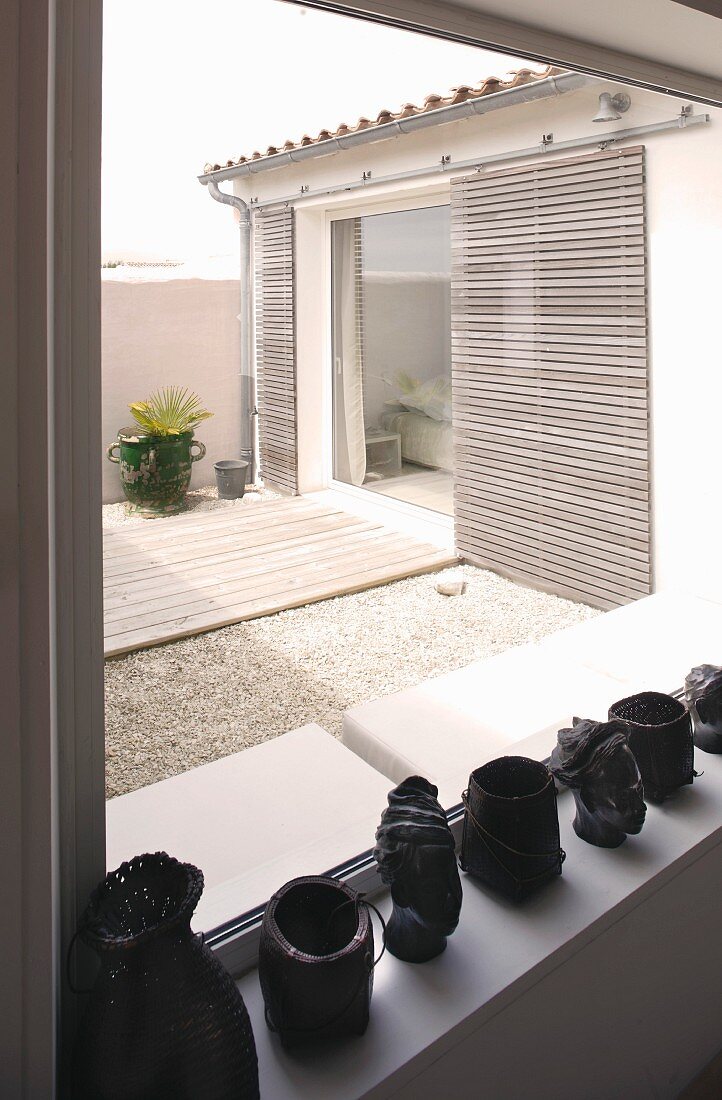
(182,332)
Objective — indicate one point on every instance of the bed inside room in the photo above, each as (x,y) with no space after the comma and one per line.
(392,356)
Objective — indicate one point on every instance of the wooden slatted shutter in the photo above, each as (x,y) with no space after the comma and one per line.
(549,374)
(274,248)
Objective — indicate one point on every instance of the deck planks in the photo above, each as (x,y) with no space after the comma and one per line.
(174,577)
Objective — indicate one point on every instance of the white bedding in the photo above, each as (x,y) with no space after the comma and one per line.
(423,440)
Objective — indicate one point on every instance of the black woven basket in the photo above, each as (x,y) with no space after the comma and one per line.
(511,827)
(659,731)
(164,1019)
(316,960)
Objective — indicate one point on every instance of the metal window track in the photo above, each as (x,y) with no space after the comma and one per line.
(446,167)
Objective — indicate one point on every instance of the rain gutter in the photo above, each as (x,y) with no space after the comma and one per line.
(547,88)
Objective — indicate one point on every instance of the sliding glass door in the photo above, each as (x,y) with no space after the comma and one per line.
(392,431)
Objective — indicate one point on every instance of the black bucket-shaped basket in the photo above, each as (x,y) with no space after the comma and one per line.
(511,826)
(659,731)
(316,961)
(164,1018)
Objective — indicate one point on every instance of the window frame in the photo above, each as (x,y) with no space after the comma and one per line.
(54,111)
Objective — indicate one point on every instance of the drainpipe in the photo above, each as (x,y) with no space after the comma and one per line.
(248,379)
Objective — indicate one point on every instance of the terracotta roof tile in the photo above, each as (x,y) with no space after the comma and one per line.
(432,102)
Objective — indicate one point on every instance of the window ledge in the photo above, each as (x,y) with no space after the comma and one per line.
(605,983)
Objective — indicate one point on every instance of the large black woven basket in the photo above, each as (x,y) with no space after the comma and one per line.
(164,1019)
(659,731)
(315,961)
(511,827)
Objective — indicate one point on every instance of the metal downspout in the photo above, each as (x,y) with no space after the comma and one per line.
(248,372)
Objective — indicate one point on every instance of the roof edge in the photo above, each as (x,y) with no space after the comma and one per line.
(555,83)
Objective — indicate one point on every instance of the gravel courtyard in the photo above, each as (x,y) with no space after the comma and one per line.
(174,707)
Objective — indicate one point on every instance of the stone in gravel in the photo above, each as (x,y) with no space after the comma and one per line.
(452,587)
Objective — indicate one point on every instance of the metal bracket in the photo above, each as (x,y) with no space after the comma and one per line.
(547,139)
(253,201)
(685,113)
(366,176)
(605,144)
(446,159)
(304,188)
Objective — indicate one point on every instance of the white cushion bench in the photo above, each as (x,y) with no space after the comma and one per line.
(300,804)
(449,725)
(652,643)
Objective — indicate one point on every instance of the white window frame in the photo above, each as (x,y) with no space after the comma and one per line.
(52,799)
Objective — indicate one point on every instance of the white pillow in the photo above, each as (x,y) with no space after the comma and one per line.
(432,398)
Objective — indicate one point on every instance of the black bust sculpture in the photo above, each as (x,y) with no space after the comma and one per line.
(416,859)
(703,689)
(595,760)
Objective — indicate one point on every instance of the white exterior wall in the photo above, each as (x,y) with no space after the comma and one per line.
(172,332)
(684,209)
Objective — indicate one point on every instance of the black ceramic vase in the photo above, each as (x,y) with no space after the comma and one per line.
(511,826)
(703,689)
(164,1019)
(595,761)
(659,732)
(315,961)
(416,857)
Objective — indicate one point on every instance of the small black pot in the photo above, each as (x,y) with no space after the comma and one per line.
(511,826)
(659,731)
(315,961)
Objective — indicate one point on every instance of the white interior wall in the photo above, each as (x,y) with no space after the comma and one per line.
(174,332)
(684,205)
(407,328)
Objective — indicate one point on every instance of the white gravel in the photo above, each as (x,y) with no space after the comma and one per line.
(174,707)
(199,500)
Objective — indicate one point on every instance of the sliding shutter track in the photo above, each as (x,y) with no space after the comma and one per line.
(274,248)
(550,380)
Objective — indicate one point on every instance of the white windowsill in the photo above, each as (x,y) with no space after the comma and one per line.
(603,953)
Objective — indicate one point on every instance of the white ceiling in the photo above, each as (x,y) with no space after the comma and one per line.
(659,42)
(658,30)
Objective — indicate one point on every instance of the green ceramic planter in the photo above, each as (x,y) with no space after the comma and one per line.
(155,471)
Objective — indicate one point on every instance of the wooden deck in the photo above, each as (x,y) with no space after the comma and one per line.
(170,578)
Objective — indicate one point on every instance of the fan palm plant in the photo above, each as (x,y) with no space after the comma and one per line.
(169,412)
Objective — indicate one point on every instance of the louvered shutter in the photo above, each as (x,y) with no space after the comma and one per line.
(276,347)
(549,371)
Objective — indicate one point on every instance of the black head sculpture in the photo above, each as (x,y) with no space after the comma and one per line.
(595,760)
(416,859)
(703,689)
